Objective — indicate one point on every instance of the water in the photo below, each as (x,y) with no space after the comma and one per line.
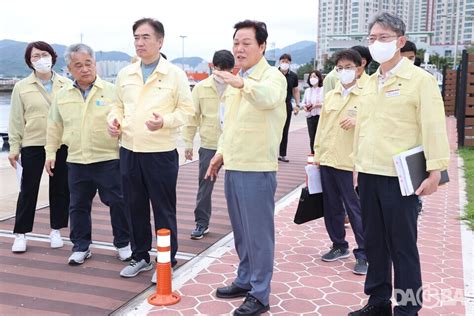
(4,111)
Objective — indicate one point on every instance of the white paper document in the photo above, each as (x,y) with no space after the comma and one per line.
(19,172)
(314,179)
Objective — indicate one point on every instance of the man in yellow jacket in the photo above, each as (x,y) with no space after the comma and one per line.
(253,125)
(332,149)
(402,109)
(153,101)
(209,110)
(78,118)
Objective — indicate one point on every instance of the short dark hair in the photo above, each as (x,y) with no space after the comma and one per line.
(223,59)
(348,54)
(41,46)
(260,28)
(285,56)
(320,78)
(409,47)
(417,61)
(364,53)
(155,24)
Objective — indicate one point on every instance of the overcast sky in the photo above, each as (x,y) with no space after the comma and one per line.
(107,25)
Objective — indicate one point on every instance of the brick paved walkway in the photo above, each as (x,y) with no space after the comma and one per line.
(303,284)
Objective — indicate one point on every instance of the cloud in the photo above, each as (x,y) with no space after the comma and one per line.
(106,25)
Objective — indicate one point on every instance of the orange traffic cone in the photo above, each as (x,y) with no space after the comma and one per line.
(164,294)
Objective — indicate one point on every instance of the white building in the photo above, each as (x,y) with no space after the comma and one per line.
(431,24)
(344,23)
(110,68)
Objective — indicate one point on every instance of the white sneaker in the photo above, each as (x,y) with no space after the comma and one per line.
(135,267)
(19,245)
(125,253)
(79,257)
(55,238)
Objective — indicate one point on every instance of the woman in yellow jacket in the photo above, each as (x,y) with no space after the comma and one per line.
(31,99)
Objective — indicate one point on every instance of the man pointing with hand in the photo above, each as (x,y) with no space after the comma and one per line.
(153,101)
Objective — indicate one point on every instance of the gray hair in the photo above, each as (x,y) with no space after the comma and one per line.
(77,48)
(389,21)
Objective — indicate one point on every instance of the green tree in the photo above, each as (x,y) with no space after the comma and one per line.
(328,66)
(305,69)
(440,61)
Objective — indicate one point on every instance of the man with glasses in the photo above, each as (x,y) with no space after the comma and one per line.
(402,109)
(332,148)
(77,118)
(153,101)
(253,125)
(209,117)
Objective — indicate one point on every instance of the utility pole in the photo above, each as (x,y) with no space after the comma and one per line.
(182,48)
(456,34)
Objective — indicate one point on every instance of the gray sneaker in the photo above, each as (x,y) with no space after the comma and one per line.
(361,267)
(135,267)
(335,253)
(78,257)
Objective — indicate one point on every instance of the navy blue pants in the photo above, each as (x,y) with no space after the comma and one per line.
(251,204)
(338,191)
(32,160)
(390,231)
(84,182)
(150,177)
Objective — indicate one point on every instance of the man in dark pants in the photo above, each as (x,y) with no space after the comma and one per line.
(153,101)
(254,119)
(402,108)
(292,92)
(332,149)
(76,114)
(209,117)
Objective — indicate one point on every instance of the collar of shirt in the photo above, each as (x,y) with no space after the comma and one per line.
(47,84)
(384,77)
(339,88)
(85,92)
(147,70)
(345,92)
(246,74)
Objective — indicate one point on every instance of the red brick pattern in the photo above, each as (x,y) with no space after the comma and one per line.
(303,284)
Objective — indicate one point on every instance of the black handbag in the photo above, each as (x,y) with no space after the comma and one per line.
(310,207)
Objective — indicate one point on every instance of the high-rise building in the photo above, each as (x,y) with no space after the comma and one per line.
(447,13)
(344,23)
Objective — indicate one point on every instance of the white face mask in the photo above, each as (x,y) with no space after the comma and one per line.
(314,81)
(284,66)
(347,76)
(383,52)
(43,65)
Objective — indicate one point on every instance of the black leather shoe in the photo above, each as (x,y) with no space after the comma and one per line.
(251,306)
(373,310)
(231,291)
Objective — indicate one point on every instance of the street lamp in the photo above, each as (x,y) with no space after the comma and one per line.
(182,47)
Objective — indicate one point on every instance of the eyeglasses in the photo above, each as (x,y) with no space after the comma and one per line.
(382,38)
(339,69)
(38,56)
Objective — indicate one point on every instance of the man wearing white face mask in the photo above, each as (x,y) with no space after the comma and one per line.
(292,91)
(402,109)
(31,100)
(209,117)
(332,149)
